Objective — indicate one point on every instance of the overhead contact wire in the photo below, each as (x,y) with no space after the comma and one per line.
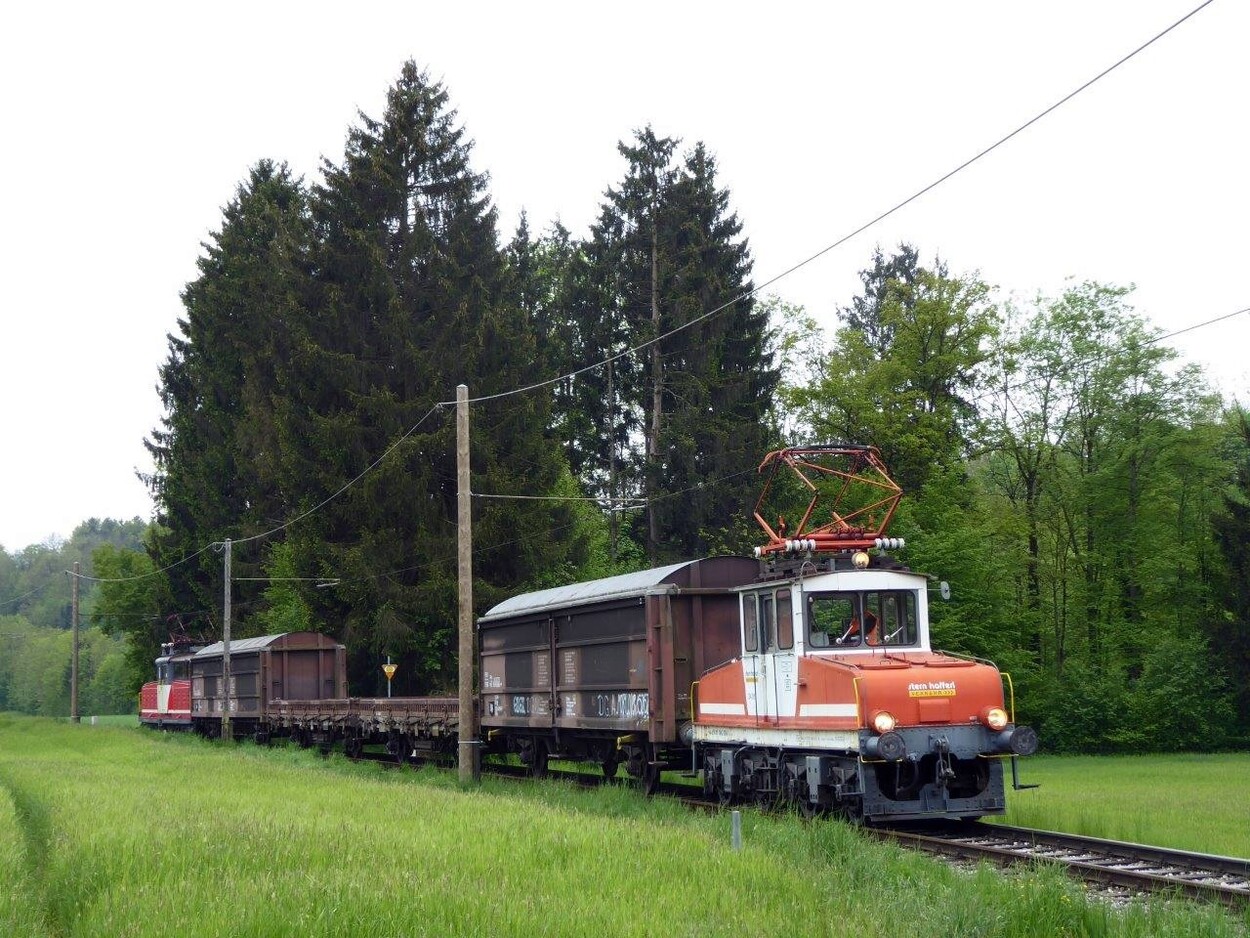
(858,231)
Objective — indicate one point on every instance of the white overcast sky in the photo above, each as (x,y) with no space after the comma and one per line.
(128,126)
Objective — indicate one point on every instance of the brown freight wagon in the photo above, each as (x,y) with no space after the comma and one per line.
(602,671)
(290,666)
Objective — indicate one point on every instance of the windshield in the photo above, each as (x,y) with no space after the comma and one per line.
(862,618)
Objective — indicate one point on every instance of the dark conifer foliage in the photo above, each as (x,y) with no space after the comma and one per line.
(216,453)
(892,277)
(689,409)
(412,297)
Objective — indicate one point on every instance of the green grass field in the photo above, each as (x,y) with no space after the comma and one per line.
(1190,802)
(114,831)
(112,719)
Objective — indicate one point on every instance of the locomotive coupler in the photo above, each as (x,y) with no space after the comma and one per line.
(945,773)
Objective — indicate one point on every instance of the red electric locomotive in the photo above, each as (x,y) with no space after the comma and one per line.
(166,702)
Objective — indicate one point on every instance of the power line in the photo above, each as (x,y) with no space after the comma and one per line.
(1110,353)
(142,576)
(858,231)
(547,532)
(364,472)
(556,498)
(39,588)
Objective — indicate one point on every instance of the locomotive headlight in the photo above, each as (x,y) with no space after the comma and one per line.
(994,717)
(859,559)
(883,721)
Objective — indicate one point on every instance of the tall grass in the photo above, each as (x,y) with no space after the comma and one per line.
(21,912)
(146,834)
(1190,802)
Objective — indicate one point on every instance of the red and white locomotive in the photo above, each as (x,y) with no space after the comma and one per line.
(837,701)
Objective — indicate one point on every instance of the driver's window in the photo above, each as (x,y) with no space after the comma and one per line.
(829,618)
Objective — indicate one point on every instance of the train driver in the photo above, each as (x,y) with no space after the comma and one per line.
(871,634)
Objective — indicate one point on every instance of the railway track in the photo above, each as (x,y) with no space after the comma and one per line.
(1135,867)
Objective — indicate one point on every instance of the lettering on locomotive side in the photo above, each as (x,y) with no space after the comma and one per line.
(931,689)
(622,706)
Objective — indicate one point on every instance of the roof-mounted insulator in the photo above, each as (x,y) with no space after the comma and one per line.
(889,543)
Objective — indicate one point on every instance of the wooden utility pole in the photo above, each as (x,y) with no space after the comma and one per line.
(657,393)
(73,667)
(469,769)
(226,729)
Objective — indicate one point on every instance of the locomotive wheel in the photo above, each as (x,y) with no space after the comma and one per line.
(809,809)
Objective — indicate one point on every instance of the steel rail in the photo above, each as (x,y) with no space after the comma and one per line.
(1138,867)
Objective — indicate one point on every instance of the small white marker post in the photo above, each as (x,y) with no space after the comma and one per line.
(736,828)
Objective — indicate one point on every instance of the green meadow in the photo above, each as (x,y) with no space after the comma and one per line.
(117,831)
(1190,802)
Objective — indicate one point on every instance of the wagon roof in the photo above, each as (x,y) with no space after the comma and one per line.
(264,641)
(624,586)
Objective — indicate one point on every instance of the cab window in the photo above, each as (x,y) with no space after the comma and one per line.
(828,617)
(785,620)
(768,623)
(750,624)
(869,618)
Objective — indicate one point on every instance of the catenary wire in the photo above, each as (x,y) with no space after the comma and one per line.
(858,231)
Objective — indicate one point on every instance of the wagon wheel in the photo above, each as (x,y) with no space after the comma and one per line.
(644,768)
(534,756)
(649,780)
(610,766)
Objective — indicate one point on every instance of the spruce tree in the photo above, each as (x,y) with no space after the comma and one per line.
(412,297)
(690,409)
(216,451)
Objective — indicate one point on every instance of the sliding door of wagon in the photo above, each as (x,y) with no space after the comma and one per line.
(516,673)
(601,667)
